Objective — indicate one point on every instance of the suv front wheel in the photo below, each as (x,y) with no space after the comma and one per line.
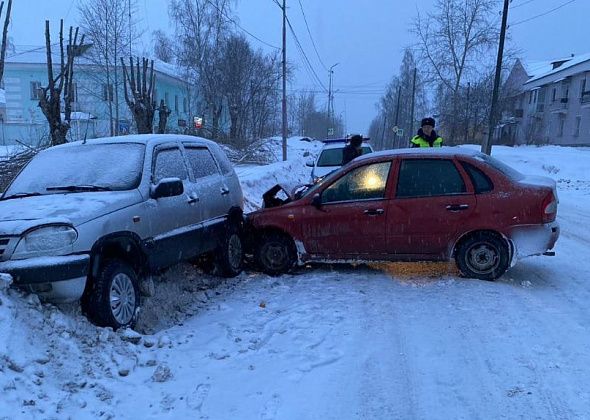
(114,299)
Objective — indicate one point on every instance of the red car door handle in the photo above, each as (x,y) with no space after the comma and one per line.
(373,212)
(457,207)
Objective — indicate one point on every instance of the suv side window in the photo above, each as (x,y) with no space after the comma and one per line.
(428,177)
(169,163)
(481,182)
(201,162)
(364,183)
(224,162)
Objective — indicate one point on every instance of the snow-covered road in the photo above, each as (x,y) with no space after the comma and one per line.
(392,341)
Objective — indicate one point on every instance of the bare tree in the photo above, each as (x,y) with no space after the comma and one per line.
(454,41)
(163,47)
(111,27)
(4,35)
(51,96)
(141,85)
(163,114)
(202,26)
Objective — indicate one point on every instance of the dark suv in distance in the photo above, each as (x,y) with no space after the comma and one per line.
(91,219)
(412,205)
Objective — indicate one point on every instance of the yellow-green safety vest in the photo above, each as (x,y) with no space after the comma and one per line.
(424,143)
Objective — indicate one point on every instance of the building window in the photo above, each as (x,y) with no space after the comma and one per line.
(184,105)
(578,124)
(176,103)
(35,90)
(560,125)
(554,95)
(566,91)
(530,97)
(107,92)
(167,99)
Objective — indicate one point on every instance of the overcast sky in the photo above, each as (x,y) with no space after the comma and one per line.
(366,38)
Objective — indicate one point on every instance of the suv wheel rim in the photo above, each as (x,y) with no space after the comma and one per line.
(275,256)
(235,251)
(122,297)
(483,258)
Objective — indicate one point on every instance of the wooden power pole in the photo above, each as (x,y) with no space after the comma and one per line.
(486,146)
(284,80)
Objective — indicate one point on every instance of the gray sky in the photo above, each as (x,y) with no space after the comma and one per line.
(365,37)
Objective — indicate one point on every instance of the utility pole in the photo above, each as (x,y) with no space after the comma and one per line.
(330,101)
(413,103)
(399,93)
(383,132)
(467,114)
(284,80)
(486,146)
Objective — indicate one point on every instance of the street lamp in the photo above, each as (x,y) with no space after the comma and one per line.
(330,99)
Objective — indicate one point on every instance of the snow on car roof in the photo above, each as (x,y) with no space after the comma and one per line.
(340,145)
(437,151)
(140,138)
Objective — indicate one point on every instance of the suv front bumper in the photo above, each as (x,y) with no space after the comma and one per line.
(46,269)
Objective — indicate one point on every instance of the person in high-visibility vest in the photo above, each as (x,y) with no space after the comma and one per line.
(426,136)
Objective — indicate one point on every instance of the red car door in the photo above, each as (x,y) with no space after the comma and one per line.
(350,222)
(431,205)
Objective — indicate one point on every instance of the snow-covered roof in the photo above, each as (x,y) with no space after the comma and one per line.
(536,68)
(38,55)
(571,62)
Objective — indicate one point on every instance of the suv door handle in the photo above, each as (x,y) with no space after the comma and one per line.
(193,198)
(457,207)
(224,191)
(374,212)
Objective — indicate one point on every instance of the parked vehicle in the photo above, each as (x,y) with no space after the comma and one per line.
(330,158)
(91,219)
(412,205)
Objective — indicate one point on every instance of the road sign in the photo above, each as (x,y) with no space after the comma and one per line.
(395,129)
(198,122)
(330,131)
(400,132)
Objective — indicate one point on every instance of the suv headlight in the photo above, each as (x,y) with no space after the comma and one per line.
(46,240)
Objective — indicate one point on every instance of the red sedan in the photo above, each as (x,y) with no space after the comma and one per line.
(411,205)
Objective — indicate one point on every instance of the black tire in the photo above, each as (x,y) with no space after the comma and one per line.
(275,254)
(483,256)
(113,299)
(229,259)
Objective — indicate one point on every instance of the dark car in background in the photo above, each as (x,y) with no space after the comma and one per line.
(412,205)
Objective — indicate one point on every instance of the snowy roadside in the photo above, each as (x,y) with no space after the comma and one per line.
(323,343)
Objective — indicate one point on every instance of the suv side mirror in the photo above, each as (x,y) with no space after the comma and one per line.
(167,187)
(316,201)
(310,163)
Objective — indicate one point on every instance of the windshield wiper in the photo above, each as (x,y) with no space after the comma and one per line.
(78,188)
(20,195)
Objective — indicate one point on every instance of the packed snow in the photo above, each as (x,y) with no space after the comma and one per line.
(325,342)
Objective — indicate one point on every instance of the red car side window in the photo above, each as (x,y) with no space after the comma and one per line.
(363,183)
(429,177)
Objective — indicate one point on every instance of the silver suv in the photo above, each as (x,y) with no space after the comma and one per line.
(89,220)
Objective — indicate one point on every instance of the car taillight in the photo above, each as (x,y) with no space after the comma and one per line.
(549,208)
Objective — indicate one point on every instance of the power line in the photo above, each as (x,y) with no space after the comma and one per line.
(521,4)
(238,25)
(310,37)
(543,14)
(305,59)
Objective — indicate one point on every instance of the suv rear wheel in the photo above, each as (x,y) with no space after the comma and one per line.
(483,256)
(114,298)
(230,257)
(275,254)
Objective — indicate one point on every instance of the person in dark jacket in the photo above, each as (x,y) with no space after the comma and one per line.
(426,136)
(352,149)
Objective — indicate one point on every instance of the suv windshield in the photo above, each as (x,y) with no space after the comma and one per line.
(89,167)
(333,157)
